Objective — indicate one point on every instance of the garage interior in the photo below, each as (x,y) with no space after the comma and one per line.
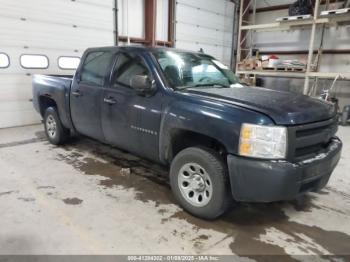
(89,198)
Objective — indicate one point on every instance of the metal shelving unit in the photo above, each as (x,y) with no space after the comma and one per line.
(247,30)
(295,74)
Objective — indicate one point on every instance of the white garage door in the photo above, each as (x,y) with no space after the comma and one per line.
(37,33)
(205,24)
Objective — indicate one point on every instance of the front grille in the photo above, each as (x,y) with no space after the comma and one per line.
(309,150)
(309,140)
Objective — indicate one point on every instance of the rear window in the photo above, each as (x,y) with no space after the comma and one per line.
(95,67)
(68,62)
(4,60)
(34,61)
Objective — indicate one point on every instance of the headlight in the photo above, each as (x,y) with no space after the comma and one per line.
(263,141)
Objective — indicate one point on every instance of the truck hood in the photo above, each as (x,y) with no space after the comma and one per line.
(284,108)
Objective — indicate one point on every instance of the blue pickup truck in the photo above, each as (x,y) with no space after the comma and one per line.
(223,141)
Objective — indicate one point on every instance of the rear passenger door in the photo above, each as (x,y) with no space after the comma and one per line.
(86,93)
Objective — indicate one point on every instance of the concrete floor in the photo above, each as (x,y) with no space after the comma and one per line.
(77,199)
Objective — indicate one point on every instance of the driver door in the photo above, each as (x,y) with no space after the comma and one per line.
(129,120)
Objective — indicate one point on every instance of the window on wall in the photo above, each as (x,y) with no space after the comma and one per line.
(4,60)
(95,67)
(34,61)
(127,66)
(68,62)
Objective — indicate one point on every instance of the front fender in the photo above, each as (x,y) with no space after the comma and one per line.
(218,121)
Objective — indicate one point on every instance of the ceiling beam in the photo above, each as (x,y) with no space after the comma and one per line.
(171,21)
(150,21)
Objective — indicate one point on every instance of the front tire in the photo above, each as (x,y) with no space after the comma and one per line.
(199,181)
(56,133)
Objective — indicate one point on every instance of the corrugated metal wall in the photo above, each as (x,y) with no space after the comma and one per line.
(205,24)
(52,28)
(67,27)
(131,17)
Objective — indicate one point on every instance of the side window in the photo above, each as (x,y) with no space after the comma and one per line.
(34,61)
(127,66)
(4,60)
(68,62)
(95,67)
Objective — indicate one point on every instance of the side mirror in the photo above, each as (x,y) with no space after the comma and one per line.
(141,83)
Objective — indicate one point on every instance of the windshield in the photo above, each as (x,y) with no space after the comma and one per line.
(189,70)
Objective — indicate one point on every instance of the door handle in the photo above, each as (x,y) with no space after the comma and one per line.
(76,93)
(109,100)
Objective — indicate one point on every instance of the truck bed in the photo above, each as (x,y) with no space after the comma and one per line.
(42,83)
(55,87)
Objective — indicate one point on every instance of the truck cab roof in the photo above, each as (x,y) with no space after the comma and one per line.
(132,48)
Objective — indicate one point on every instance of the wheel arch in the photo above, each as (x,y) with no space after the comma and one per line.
(180,139)
(46,102)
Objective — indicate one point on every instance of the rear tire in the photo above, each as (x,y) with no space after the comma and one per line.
(55,132)
(199,181)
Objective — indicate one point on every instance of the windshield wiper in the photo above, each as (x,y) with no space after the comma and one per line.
(211,85)
(182,87)
(202,85)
